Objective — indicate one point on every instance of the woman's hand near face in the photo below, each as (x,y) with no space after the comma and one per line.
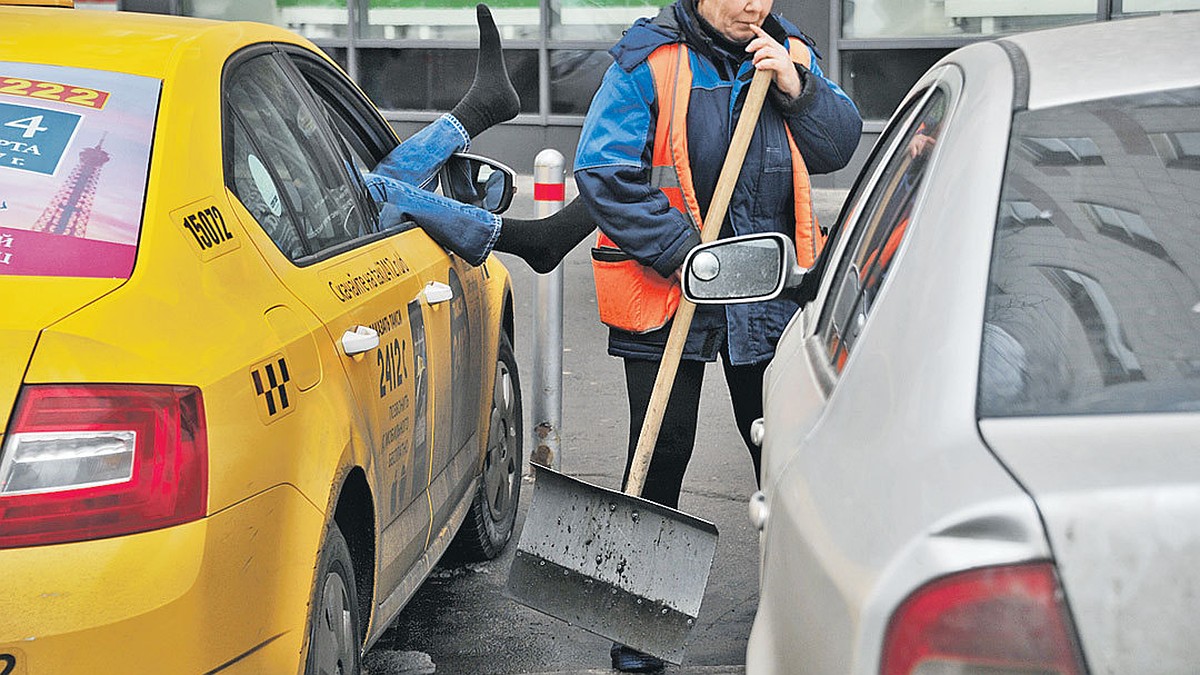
(770,55)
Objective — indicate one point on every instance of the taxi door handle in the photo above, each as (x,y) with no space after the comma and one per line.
(436,291)
(359,339)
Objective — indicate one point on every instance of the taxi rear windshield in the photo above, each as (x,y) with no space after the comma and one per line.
(74,155)
(1094,295)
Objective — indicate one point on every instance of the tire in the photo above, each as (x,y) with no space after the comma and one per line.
(334,625)
(489,524)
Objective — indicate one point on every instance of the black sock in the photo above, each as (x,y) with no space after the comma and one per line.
(492,99)
(544,242)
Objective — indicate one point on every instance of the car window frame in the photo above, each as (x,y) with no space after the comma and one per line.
(338,142)
(373,136)
(369,136)
(333,138)
(851,217)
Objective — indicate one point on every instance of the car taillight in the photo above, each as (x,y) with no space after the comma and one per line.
(987,621)
(92,461)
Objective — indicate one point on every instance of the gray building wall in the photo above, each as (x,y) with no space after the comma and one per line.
(517,143)
(872,61)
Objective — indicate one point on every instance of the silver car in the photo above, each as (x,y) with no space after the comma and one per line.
(981,442)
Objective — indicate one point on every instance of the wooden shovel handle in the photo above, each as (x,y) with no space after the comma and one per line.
(682,321)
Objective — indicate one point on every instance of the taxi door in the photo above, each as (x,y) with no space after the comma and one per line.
(449,328)
(458,376)
(445,331)
(289,168)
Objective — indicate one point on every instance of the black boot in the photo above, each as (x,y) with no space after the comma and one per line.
(492,99)
(544,242)
(630,660)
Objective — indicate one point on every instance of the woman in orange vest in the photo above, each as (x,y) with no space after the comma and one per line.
(649,154)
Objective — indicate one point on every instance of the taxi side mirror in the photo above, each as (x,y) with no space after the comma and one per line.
(749,268)
(478,181)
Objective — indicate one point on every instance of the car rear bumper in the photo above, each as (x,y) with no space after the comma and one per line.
(228,593)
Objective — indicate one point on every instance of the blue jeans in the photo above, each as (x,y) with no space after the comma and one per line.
(401,184)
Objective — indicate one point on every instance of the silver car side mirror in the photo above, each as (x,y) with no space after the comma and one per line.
(478,181)
(749,268)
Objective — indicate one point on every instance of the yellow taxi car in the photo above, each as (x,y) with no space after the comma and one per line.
(222,454)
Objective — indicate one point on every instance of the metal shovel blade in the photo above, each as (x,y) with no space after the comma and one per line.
(619,566)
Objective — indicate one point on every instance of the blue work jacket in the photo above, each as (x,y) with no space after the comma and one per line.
(612,169)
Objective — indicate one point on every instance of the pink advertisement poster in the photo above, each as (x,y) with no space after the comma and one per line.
(74,154)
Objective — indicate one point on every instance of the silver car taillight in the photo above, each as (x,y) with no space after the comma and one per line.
(990,621)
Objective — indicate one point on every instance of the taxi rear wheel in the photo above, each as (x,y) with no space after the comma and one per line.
(489,524)
(334,642)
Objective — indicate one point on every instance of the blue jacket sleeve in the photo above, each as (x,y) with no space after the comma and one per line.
(824,121)
(612,172)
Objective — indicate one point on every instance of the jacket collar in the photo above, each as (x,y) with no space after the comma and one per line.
(702,37)
(676,23)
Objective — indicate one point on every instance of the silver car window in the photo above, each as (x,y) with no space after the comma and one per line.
(1094,290)
(875,238)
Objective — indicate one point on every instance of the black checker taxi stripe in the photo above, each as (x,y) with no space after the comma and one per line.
(270,380)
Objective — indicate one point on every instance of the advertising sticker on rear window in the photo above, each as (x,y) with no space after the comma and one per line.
(33,139)
(74,156)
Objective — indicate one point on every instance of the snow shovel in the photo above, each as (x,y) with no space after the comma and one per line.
(613,563)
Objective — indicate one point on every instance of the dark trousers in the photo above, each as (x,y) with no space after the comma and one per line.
(677,436)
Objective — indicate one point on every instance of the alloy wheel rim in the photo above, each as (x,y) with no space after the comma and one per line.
(500,468)
(333,634)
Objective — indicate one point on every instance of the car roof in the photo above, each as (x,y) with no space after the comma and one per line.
(1111,58)
(129,42)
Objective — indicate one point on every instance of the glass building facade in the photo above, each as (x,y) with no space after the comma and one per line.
(415,58)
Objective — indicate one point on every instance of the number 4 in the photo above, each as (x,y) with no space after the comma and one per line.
(31,125)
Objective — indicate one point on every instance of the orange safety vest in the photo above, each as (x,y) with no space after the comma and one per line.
(635,298)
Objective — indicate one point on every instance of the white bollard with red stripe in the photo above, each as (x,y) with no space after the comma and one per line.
(549,192)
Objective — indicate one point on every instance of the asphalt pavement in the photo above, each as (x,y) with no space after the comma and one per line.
(460,622)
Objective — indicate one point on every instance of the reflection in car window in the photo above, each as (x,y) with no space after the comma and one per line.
(879,232)
(256,188)
(283,160)
(1096,309)
(1063,151)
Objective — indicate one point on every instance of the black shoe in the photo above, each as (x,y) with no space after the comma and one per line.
(630,660)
